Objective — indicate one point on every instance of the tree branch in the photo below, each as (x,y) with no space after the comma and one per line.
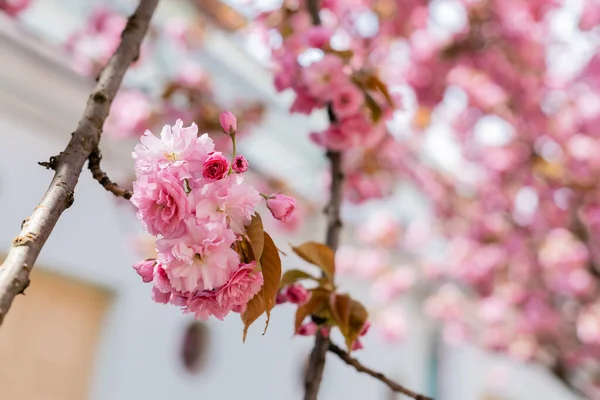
(35,230)
(103,179)
(377,375)
(316,364)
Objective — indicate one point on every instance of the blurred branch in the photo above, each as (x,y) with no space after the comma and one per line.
(35,230)
(377,375)
(560,372)
(103,179)
(316,364)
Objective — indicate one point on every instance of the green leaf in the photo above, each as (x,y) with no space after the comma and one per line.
(254,309)
(318,301)
(318,254)
(271,270)
(293,276)
(358,317)
(255,233)
(339,305)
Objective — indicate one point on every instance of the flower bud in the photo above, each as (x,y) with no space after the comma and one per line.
(296,294)
(308,329)
(282,207)
(228,122)
(240,164)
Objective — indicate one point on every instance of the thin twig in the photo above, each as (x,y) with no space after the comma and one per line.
(99,175)
(14,272)
(377,375)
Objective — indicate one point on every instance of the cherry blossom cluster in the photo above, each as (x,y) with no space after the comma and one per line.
(519,269)
(197,205)
(338,80)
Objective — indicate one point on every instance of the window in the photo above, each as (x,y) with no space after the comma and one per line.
(194,347)
(48,340)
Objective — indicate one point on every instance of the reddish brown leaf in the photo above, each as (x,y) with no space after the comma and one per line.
(339,305)
(358,317)
(271,270)
(254,309)
(293,276)
(318,254)
(255,233)
(318,300)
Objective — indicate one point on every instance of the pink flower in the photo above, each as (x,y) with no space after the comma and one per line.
(161,202)
(323,76)
(296,294)
(201,259)
(176,143)
(215,167)
(391,285)
(161,280)
(307,329)
(145,269)
(228,122)
(282,207)
(303,103)
(129,114)
(241,287)
(240,164)
(230,199)
(318,36)
(347,100)
(391,324)
(204,304)
(160,297)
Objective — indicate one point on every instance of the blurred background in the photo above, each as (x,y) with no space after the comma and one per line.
(87,329)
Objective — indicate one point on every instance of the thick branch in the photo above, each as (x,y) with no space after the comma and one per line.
(103,179)
(377,375)
(14,272)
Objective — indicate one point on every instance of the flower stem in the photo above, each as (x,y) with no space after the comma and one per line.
(233,153)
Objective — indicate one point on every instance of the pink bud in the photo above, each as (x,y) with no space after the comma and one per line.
(365,328)
(308,329)
(228,122)
(325,332)
(296,294)
(357,345)
(282,207)
(215,167)
(281,297)
(145,269)
(240,164)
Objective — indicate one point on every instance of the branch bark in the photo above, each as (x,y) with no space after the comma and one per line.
(35,230)
(377,375)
